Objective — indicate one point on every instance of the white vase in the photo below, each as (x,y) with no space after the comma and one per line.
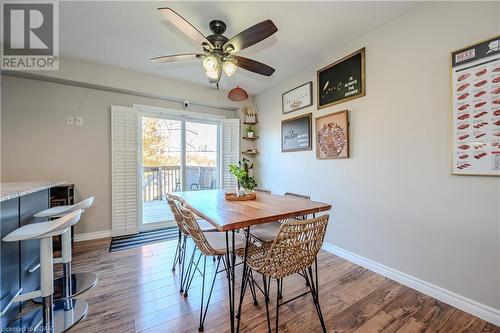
(250,134)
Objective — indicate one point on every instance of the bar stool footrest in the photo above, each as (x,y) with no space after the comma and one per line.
(80,282)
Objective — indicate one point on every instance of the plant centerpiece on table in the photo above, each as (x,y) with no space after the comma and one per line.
(241,172)
(250,131)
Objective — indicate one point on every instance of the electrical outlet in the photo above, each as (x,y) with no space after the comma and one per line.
(70,120)
(79,121)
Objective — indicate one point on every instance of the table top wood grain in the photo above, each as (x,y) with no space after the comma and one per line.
(230,215)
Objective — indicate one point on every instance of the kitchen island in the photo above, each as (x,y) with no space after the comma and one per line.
(19,260)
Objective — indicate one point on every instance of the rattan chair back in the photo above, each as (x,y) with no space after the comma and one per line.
(295,247)
(196,233)
(174,203)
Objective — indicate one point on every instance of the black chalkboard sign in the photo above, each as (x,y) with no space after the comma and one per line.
(342,81)
(296,133)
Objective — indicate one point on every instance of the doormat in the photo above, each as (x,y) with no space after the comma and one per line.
(143,238)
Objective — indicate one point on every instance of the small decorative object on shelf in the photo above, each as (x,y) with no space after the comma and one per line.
(250,112)
(250,131)
(252,151)
(246,183)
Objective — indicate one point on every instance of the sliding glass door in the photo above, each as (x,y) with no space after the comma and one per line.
(177,155)
(201,156)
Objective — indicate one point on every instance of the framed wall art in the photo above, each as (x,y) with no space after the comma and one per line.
(475,83)
(342,81)
(297,98)
(296,133)
(332,135)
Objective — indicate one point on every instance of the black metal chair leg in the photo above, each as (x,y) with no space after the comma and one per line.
(190,278)
(177,251)
(266,298)
(252,288)
(314,294)
(200,327)
(316,274)
(210,293)
(278,297)
(185,273)
(280,289)
(242,295)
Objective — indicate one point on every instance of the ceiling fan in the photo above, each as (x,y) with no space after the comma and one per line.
(218,50)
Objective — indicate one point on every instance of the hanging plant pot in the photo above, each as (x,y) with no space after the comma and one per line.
(237,94)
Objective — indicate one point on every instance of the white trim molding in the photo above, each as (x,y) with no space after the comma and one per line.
(92,235)
(477,309)
(177,113)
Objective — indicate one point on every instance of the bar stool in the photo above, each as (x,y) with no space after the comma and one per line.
(70,284)
(53,319)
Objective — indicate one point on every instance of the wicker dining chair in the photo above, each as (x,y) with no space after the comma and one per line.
(267,232)
(210,244)
(294,250)
(180,249)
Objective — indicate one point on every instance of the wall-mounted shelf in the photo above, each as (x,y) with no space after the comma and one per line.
(249,153)
(255,123)
(250,138)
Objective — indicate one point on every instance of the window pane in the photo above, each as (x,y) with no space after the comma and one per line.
(201,156)
(161,156)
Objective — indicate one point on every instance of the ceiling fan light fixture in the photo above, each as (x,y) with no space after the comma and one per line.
(229,67)
(210,63)
(214,74)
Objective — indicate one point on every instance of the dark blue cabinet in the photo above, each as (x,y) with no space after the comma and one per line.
(10,252)
(18,257)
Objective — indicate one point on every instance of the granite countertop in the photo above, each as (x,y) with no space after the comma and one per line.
(14,190)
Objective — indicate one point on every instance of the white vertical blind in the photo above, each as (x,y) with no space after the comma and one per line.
(230,150)
(124,183)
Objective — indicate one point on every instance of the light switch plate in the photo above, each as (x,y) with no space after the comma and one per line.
(70,120)
(79,121)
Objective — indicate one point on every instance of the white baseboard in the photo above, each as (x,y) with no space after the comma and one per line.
(477,309)
(92,235)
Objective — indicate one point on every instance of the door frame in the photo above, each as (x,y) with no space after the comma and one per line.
(183,117)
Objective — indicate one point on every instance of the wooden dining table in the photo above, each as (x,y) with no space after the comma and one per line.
(230,216)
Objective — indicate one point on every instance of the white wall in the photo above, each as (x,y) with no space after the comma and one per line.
(93,73)
(38,145)
(395,201)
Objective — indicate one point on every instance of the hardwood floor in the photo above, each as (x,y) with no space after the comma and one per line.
(138,292)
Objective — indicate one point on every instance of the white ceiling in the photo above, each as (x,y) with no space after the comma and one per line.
(126,34)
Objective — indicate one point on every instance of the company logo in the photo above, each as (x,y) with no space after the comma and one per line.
(30,36)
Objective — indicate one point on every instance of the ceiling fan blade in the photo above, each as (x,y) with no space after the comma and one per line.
(250,36)
(253,66)
(176,57)
(186,27)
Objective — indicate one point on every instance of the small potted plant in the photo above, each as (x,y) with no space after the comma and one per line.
(245,181)
(250,131)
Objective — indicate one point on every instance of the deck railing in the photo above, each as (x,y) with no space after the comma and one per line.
(160,180)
